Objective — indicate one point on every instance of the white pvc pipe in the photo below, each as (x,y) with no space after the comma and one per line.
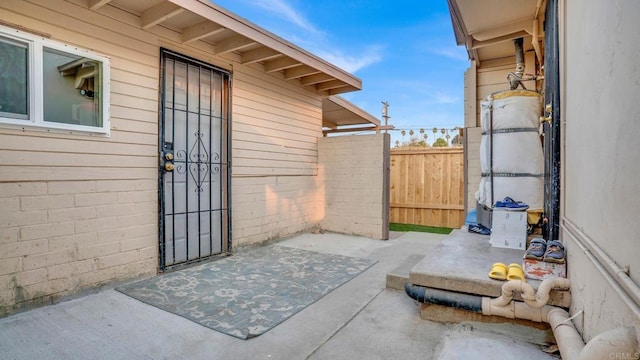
(530,297)
(617,277)
(620,343)
(572,347)
(542,296)
(569,340)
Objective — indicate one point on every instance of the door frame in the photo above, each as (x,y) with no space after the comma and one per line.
(551,130)
(228,244)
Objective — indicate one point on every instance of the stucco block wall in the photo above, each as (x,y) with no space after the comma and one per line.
(78,211)
(275,135)
(472,172)
(272,207)
(352,169)
(57,237)
(601,183)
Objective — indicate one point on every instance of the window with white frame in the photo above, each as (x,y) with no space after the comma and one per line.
(46,84)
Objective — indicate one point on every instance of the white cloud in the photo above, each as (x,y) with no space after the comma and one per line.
(285,11)
(442,98)
(352,63)
(451,53)
(305,34)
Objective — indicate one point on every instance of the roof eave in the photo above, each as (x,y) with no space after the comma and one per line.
(241,26)
(459,29)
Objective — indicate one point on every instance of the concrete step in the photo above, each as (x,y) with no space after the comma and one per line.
(461,263)
(397,277)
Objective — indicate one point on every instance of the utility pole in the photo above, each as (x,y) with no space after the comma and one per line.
(385,114)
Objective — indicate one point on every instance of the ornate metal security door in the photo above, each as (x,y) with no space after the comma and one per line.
(194,160)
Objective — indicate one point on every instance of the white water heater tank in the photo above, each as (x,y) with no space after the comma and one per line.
(511,156)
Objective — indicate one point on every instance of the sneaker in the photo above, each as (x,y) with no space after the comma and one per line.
(511,205)
(479,229)
(536,249)
(554,252)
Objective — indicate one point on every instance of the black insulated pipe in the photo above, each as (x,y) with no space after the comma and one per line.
(515,78)
(442,297)
(519,50)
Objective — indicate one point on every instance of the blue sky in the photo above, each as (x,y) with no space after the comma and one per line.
(404,51)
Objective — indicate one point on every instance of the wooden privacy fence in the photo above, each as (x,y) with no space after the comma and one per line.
(427,187)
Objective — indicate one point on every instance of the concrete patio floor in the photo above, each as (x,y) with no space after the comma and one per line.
(359,320)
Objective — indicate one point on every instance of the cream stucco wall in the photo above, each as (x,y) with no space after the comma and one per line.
(472,171)
(275,186)
(355,175)
(601,179)
(80,211)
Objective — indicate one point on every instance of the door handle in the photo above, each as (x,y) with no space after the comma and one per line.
(549,110)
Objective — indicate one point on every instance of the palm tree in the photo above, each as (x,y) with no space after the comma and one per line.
(397,143)
(403,133)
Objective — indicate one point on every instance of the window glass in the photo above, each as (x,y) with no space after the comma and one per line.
(180,86)
(14,79)
(71,89)
(50,85)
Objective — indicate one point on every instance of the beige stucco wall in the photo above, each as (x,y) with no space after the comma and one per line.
(271,207)
(472,172)
(601,186)
(276,127)
(353,171)
(80,211)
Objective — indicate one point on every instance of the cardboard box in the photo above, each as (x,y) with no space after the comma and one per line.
(509,229)
(540,270)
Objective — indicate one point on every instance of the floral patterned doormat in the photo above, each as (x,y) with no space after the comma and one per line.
(247,294)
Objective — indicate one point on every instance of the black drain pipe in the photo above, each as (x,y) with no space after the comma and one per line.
(446,298)
(515,78)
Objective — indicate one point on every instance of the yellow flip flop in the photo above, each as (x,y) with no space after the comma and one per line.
(498,271)
(515,272)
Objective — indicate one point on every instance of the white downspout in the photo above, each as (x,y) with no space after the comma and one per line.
(569,340)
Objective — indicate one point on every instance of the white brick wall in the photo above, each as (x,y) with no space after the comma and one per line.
(267,208)
(473,171)
(352,168)
(91,217)
(57,238)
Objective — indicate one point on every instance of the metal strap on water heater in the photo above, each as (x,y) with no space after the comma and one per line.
(512,130)
(506,174)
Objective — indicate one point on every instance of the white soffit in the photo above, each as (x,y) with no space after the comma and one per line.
(338,112)
(487,27)
(223,32)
